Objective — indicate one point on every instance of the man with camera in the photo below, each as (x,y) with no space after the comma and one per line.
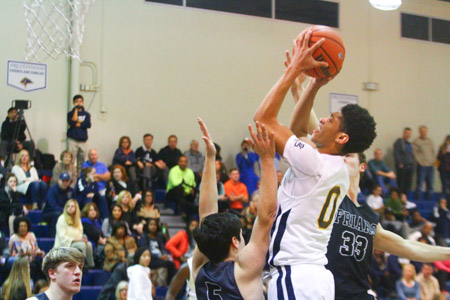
(79,121)
(13,134)
(246,160)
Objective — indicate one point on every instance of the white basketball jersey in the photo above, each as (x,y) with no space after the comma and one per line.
(308,198)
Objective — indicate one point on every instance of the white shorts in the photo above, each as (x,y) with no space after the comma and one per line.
(301,282)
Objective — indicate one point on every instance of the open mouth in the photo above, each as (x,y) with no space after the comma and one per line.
(77,281)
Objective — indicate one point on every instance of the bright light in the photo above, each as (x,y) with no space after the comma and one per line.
(386,4)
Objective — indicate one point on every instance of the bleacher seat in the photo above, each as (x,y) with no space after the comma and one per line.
(35,216)
(160,196)
(41,231)
(88,293)
(46,244)
(95,278)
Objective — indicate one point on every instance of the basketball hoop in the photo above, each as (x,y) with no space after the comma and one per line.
(54,27)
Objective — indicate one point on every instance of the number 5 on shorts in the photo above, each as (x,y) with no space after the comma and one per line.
(332,196)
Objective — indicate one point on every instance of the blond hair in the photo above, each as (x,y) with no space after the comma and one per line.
(120,197)
(19,158)
(59,255)
(74,221)
(120,287)
(413,269)
(18,279)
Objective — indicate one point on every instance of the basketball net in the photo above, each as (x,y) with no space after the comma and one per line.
(54,27)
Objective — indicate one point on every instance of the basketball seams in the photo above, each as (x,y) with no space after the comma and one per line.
(329,38)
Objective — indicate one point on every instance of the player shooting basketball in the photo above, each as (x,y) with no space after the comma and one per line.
(314,185)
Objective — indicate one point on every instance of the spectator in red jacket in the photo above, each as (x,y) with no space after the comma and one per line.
(182,244)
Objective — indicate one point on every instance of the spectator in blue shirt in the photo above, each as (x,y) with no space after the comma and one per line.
(57,196)
(381,173)
(102,174)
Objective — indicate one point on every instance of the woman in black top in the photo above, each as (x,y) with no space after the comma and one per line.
(156,241)
(10,205)
(91,224)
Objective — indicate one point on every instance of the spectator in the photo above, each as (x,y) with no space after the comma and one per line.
(443,270)
(381,278)
(424,233)
(102,174)
(425,157)
(10,205)
(122,290)
(57,196)
(79,121)
(91,224)
(395,204)
(65,165)
(429,285)
(8,129)
(125,156)
(69,231)
(222,170)
(119,183)
(115,217)
(196,160)
(129,213)
(119,247)
(444,166)
(279,177)
(23,243)
(180,187)
(118,275)
(182,244)
(236,191)
(28,182)
(156,241)
(375,201)
(390,223)
(441,216)
(245,160)
(86,190)
(404,161)
(170,154)
(417,221)
(149,164)
(62,266)
(146,209)
(381,173)
(222,198)
(140,285)
(407,287)
(407,205)
(40,286)
(17,286)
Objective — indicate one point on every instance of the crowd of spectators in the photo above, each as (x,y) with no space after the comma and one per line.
(108,211)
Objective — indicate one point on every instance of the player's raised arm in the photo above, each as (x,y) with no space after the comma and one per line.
(267,112)
(253,256)
(390,242)
(208,189)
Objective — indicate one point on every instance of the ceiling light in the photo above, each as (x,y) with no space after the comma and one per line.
(386,4)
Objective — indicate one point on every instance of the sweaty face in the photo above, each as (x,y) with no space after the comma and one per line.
(183,163)
(327,131)
(117,174)
(68,277)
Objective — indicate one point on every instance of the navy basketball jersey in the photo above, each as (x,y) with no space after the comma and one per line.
(350,249)
(41,296)
(217,282)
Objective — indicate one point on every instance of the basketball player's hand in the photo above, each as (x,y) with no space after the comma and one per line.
(297,86)
(302,56)
(263,143)
(210,148)
(320,82)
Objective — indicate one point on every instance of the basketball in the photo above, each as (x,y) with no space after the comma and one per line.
(332,51)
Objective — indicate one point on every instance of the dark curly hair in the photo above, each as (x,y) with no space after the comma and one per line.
(19,220)
(360,127)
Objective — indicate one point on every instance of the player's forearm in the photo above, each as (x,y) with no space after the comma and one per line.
(301,114)
(267,205)
(268,111)
(208,189)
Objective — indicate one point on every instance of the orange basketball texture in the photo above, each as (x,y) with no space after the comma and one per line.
(332,51)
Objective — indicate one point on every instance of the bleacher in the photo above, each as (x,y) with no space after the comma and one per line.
(94,279)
